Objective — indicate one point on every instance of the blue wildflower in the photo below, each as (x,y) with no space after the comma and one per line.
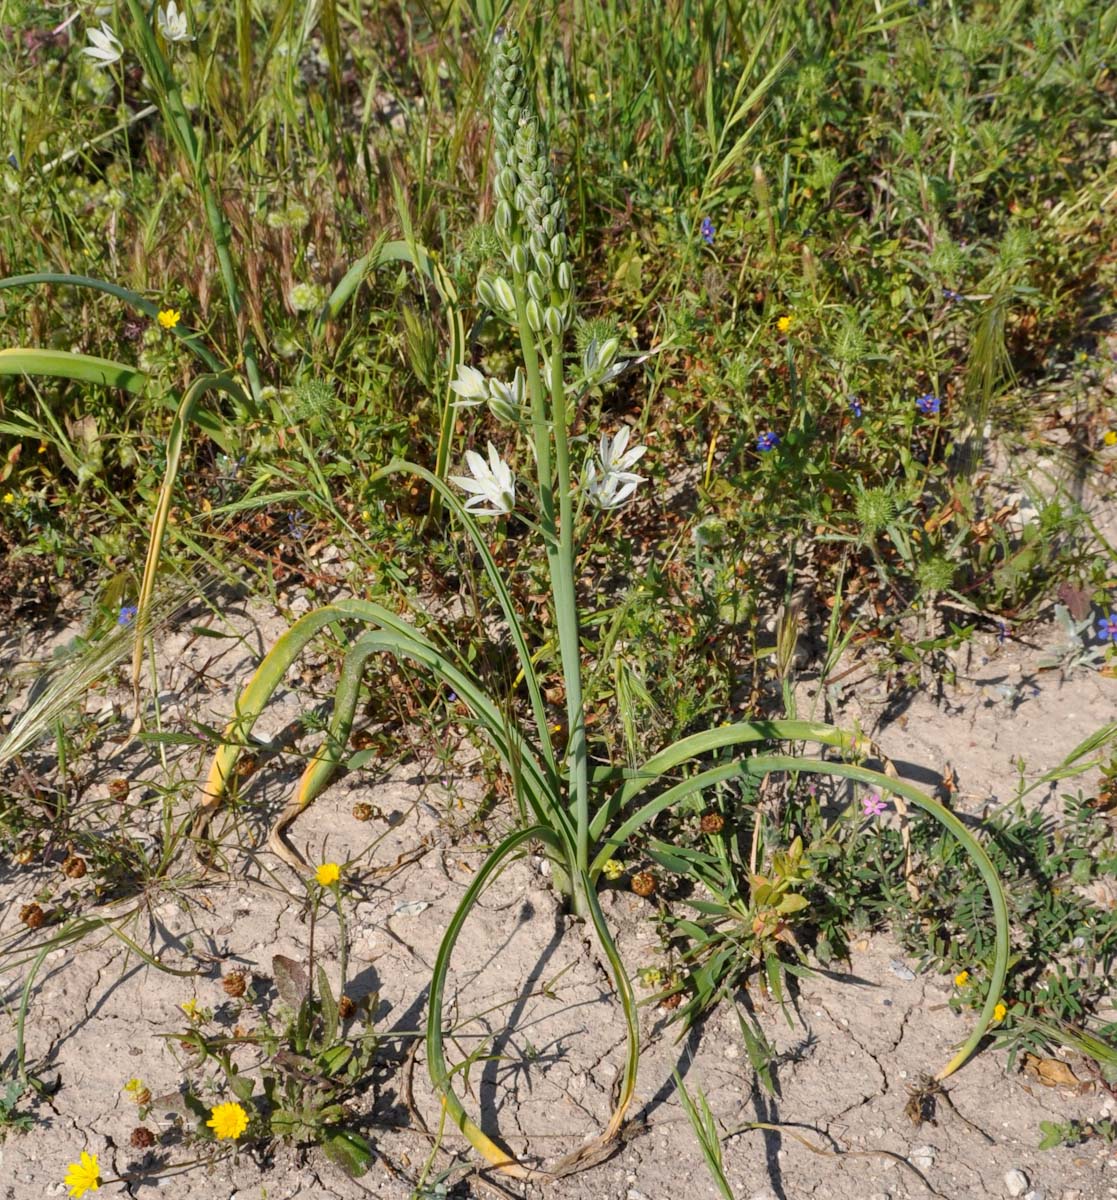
(855,406)
(767,441)
(706,229)
(928,404)
(1107,628)
(951,296)
(127,614)
(1002,632)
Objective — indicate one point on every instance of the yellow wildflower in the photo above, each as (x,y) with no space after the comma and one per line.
(1110,438)
(190,1008)
(83,1176)
(1000,1011)
(228,1120)
(9,498)
(612,869)
(961,979)
(783,324)
(328,873)
(169,317)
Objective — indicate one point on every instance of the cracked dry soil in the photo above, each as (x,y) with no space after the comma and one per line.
(529,995)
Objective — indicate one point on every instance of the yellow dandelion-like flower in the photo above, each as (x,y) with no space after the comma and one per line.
(961,979)
(1110,438)
(83,1176)
(1000,1011)
(169,317)
(228,1120)
(190,1008)
(327,873)
(612,869)
(783,324)
(9,498)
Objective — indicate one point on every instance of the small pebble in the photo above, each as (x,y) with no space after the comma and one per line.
(900,970)
(924,1157)
(1035,1194)
(1016,1182)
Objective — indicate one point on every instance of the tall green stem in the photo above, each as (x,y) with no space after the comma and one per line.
(566,612)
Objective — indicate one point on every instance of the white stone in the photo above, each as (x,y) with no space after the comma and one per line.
(1016,1182)
(924,1157)
(1035,1194)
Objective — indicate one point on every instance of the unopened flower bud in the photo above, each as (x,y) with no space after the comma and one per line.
(502,218)
(565,277)
(537,287)
(485,293)
(546,264)
(505,297)
(534,316)
(518,258)
(550,228)
(556,322)
(506,184)
(558,246)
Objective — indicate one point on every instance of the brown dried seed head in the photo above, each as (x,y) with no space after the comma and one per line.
(73,867)
(363,812)
(235,983)
(712,822)
(142,1138)
(142,1097)
(118,790)
(673,1001)
(643,883)
(346,1008)
(32,916)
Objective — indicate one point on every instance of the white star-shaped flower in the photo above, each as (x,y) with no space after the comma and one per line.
(493,486)
(172,23)
(608,481)
(471,385)
(103,46)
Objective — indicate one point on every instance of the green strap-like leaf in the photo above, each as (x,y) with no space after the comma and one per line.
(62,364)
(147,307)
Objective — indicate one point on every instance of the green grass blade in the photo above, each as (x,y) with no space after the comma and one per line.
(199,388)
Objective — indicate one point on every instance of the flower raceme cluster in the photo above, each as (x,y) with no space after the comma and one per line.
(530,217)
